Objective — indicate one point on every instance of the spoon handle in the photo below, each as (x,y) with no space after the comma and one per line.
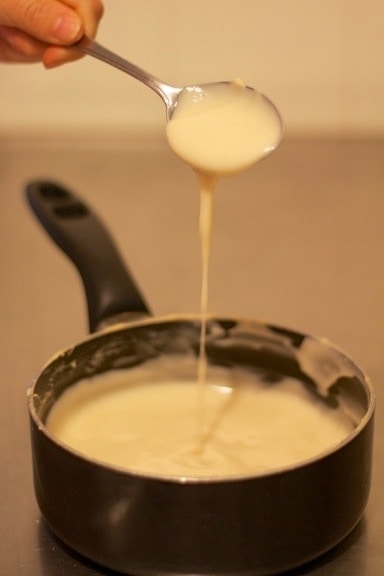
(166,92)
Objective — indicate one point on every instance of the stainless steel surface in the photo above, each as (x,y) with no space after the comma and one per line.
(298,241)
(169,94)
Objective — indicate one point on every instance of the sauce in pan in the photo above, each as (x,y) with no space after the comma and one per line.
(131,419)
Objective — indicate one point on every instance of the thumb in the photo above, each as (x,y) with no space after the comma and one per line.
(51,22)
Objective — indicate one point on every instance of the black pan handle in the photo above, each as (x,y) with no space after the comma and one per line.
(109,288)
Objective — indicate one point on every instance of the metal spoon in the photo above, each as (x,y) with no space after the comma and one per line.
(169,94)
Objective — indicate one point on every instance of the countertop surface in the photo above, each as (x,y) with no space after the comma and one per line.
(298,241)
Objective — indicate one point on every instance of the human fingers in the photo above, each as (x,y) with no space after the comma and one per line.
(50,21)
(17,46)
(91,12)
(29,30)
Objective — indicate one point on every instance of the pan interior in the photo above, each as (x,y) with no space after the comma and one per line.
(240,354)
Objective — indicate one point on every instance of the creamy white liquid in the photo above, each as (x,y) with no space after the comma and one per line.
(207,184)
(218,129)
(221,129)
(125,419)
(206,428)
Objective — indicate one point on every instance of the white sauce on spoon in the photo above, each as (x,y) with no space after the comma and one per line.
(222,129)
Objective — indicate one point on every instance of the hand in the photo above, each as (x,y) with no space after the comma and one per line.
(42,30)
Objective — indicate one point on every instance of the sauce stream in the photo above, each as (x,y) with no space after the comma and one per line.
(207,187)
(218,130)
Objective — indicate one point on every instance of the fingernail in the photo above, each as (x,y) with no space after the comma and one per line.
(68,29)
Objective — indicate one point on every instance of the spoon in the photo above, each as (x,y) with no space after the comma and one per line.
(169,94)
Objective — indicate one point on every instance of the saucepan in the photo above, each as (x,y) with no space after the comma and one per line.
(146,524)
